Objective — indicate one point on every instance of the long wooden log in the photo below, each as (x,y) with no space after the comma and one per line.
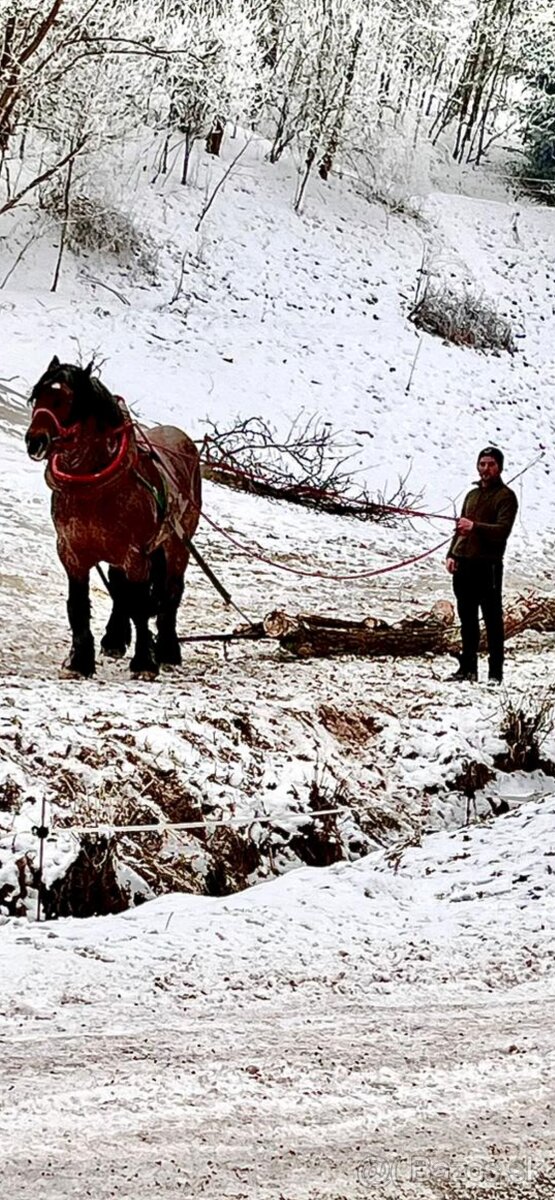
(433,632)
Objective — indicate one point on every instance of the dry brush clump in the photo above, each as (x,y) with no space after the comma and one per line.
(473,777)
(525,727)
(11,794)
(465,317)
(94,225)
(235,857)
(112,840)
(319,842)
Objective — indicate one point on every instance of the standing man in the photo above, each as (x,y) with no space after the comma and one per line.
(475,560)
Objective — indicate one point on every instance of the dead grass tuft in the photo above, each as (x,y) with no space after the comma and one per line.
(465,318)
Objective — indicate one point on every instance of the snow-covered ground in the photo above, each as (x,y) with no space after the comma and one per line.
(380,1027)
(374,1029)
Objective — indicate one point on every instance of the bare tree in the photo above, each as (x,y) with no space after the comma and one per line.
(23,40)
(469,104)
(214,74)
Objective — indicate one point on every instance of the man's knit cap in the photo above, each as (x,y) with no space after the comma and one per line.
(492,452)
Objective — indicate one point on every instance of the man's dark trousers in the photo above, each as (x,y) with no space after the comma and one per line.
(478,585)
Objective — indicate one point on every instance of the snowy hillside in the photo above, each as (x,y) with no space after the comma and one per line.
(371,960)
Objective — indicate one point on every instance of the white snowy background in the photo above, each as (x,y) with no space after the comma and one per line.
(381,1027)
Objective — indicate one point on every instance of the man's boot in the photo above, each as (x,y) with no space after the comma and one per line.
(462,676)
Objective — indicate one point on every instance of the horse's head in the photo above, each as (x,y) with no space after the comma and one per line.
(65,399)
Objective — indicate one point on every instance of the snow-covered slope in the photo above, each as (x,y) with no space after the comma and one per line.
(275,314)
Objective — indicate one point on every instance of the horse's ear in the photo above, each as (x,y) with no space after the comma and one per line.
(54,364)
(88,368)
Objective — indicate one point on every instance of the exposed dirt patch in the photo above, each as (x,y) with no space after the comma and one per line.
(235,858)
(349,725)
(10,795)
(90,885)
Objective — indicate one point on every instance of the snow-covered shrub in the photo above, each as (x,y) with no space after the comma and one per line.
(525,727)
(70,85)
(390,169)
(465,317)
(535,105)
(95,225)
(235,860)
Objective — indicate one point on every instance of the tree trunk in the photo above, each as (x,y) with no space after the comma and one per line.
(435,80)
(309,163)
(64,225)
(280,142)
(214,138)
(164,155)
(6,64)
(326,162)
(9,91)
(486,51)
(186,155)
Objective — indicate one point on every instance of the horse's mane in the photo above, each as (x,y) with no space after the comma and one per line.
(90,397)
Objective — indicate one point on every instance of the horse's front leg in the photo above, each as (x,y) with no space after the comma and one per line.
(81,658)
(168,649)
(118,630)
(144,661)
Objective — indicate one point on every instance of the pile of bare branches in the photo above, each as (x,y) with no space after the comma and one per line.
(307,466)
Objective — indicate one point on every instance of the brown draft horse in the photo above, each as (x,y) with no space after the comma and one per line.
(120,497)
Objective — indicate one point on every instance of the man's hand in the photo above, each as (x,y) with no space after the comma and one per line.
(450,563)
(464,525)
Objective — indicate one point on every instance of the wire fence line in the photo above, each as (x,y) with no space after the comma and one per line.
(107,828)
(47,832)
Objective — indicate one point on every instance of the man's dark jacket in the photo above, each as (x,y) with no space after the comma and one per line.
(493,510)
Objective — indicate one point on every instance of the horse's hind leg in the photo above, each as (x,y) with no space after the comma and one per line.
(168,649)
(81,658)
(117,636)
(131,603)
(144,661)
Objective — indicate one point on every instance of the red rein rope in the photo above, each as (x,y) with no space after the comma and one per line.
(321,574)
(406,512)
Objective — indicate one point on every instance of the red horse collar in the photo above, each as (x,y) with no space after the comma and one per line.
(61,478)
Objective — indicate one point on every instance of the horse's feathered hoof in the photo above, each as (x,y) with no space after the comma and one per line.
(168,652)
(80,660)
(113,651)
(117,637)
(144,670)
(72,671)
(146,676)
